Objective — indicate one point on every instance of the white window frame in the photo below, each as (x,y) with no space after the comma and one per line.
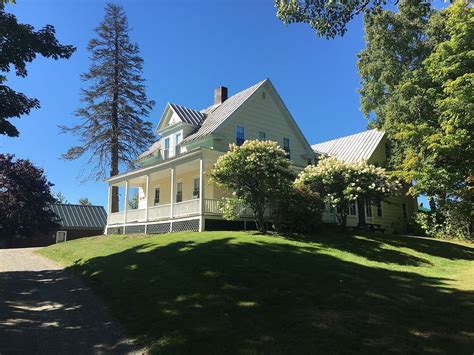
(379,207)
(180,181)
(166,149)
(199,184)
(236,132)
(368,208)
(177,147)
(157,187)
(288,151)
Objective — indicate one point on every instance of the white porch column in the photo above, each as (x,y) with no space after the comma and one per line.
(173,179)
(147,198)
(201,194)
(109,203)
(125,205)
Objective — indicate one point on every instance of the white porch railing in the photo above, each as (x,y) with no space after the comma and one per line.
(215,207)
(186,208)
(159,212)
(137,215)
(116,218)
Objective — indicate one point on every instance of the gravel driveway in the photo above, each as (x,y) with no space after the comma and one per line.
(46,310)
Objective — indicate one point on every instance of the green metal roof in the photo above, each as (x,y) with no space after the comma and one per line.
(80,217)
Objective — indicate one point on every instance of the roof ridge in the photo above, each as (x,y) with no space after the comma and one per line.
(76,204)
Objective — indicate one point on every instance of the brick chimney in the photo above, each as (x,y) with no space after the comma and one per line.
(220,95)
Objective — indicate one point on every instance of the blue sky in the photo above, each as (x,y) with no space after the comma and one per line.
(189,48)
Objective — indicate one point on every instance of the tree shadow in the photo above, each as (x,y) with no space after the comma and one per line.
(52,312)
(225,296)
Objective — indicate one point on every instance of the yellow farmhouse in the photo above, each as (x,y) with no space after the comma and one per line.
(171,181)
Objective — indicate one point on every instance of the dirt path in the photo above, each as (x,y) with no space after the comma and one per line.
(46,310)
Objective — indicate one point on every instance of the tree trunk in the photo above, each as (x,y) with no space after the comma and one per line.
(114,144)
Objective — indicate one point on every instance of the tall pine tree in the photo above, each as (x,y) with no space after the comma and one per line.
(111,128)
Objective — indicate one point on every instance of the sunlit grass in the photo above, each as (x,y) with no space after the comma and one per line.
(218,292)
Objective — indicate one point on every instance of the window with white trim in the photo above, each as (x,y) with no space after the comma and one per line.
(286,147)
(368,207)
(196,188)
(156,199)
(177,147)
(239,135)
(179,191)
(379,209)
(166,149)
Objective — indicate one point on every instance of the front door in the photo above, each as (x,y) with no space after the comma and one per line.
(61,236)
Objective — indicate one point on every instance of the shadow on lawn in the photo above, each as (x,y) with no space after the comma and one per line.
(225,297)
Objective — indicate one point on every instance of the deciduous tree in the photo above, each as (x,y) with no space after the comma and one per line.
(25,198)
(19,45)
(341,183)
(257,172)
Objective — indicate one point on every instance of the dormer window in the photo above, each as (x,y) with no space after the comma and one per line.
(239,135)
(166,149)
(179,138)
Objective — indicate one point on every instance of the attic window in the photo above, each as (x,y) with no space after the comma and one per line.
(263,95)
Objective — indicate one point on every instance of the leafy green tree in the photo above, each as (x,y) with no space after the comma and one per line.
(19,45)
(427,109)
(111,127)
(84,201)
(25,198)
(328,18)
(257,172)
(341,183)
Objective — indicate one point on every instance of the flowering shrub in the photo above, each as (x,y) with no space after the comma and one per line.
(340,183)
(257,172)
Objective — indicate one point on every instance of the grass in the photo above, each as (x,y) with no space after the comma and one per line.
(236,292)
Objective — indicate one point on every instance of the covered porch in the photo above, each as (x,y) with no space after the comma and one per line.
(177,190)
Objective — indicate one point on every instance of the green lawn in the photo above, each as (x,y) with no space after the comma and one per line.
(235,292)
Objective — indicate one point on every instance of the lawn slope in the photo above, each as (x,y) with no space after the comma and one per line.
(235,292)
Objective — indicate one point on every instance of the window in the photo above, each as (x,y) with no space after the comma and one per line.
(310,161)
(177,148)
(262,136)
(179,192)
(379,209)
(368,208)
(166,150)
(352,209)
(404,210)
(156,200)
(286,146)
(196,188)
(239,135)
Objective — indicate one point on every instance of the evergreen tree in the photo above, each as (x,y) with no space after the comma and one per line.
(19,45)
(111,128)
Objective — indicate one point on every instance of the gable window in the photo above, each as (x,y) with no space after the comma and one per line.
(379,209)
(262,136)
(179,192)
(166,150)
(177,148)
(156,200)
(196,188)
(368,208)
(239,135)
(286,147)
